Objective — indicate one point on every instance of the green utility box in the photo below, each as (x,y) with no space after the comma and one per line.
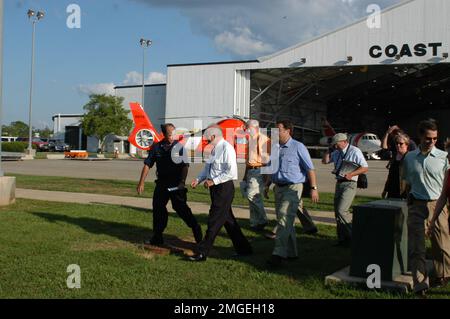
(380,237)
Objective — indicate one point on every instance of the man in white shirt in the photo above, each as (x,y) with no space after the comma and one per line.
(218,175)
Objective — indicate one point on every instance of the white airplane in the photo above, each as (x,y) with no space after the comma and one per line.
(368,143)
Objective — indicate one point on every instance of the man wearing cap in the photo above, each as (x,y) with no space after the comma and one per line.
(346,184)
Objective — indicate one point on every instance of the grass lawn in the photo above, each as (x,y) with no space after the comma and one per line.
(128,188)
(38,240)
(41,155)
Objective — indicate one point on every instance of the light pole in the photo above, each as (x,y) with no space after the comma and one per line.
(34,18)
(144,44)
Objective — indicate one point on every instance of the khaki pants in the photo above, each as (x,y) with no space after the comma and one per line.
(305,219)
(343,199)
(287,200)
(419,216)
(255,191)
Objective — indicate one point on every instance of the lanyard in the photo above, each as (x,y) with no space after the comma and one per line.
(342,161)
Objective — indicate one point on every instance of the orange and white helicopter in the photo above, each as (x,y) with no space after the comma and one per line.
(368,143)
(144,134)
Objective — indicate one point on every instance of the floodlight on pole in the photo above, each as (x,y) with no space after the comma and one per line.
(34,18)
(40,15)
(144,44)
(31,13)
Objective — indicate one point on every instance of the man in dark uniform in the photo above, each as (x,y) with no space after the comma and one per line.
(170,184)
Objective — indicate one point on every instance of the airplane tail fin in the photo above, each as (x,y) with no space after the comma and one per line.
(327,129)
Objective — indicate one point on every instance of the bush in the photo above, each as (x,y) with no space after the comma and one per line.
(14,147)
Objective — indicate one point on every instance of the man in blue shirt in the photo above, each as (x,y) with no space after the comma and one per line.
(294,167)
(349,163)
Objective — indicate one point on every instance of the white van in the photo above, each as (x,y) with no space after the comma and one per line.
(8,139)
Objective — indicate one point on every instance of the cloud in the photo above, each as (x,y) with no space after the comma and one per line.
(156,78)
(135,78)
(253,27)
(242,42)
(100,88)
(131,78)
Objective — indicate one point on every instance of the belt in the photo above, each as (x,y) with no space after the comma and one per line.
(422,200)
(284,184)
(340,181)
(254,167)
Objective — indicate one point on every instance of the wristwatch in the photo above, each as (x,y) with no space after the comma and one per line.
(314,188)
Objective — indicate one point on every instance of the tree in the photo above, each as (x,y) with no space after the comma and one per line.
(105,115)
(46,132)
(18,129)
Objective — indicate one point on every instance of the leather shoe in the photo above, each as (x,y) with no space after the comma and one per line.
(421,289)
(197,257)
(156,240)
(275,261)
(439,282)
(198,235)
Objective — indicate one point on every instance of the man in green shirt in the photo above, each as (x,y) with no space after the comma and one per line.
(424,171)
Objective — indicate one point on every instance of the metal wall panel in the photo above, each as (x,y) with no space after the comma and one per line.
(205,92)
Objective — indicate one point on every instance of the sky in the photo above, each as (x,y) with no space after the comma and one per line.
(72,63)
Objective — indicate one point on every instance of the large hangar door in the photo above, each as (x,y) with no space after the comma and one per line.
(353,98)
(242,93)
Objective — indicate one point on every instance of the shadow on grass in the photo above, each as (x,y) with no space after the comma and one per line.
(317,257)
(133,234)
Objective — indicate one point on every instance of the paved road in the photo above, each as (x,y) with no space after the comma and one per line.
(130,170)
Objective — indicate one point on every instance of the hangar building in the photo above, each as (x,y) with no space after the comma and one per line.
(362,77)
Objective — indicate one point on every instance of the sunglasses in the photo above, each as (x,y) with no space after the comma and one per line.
(400,144)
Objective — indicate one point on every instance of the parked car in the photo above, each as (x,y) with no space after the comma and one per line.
(41,144)
(58,146)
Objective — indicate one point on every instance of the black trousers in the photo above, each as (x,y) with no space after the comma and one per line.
(178,198)
(220,214)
